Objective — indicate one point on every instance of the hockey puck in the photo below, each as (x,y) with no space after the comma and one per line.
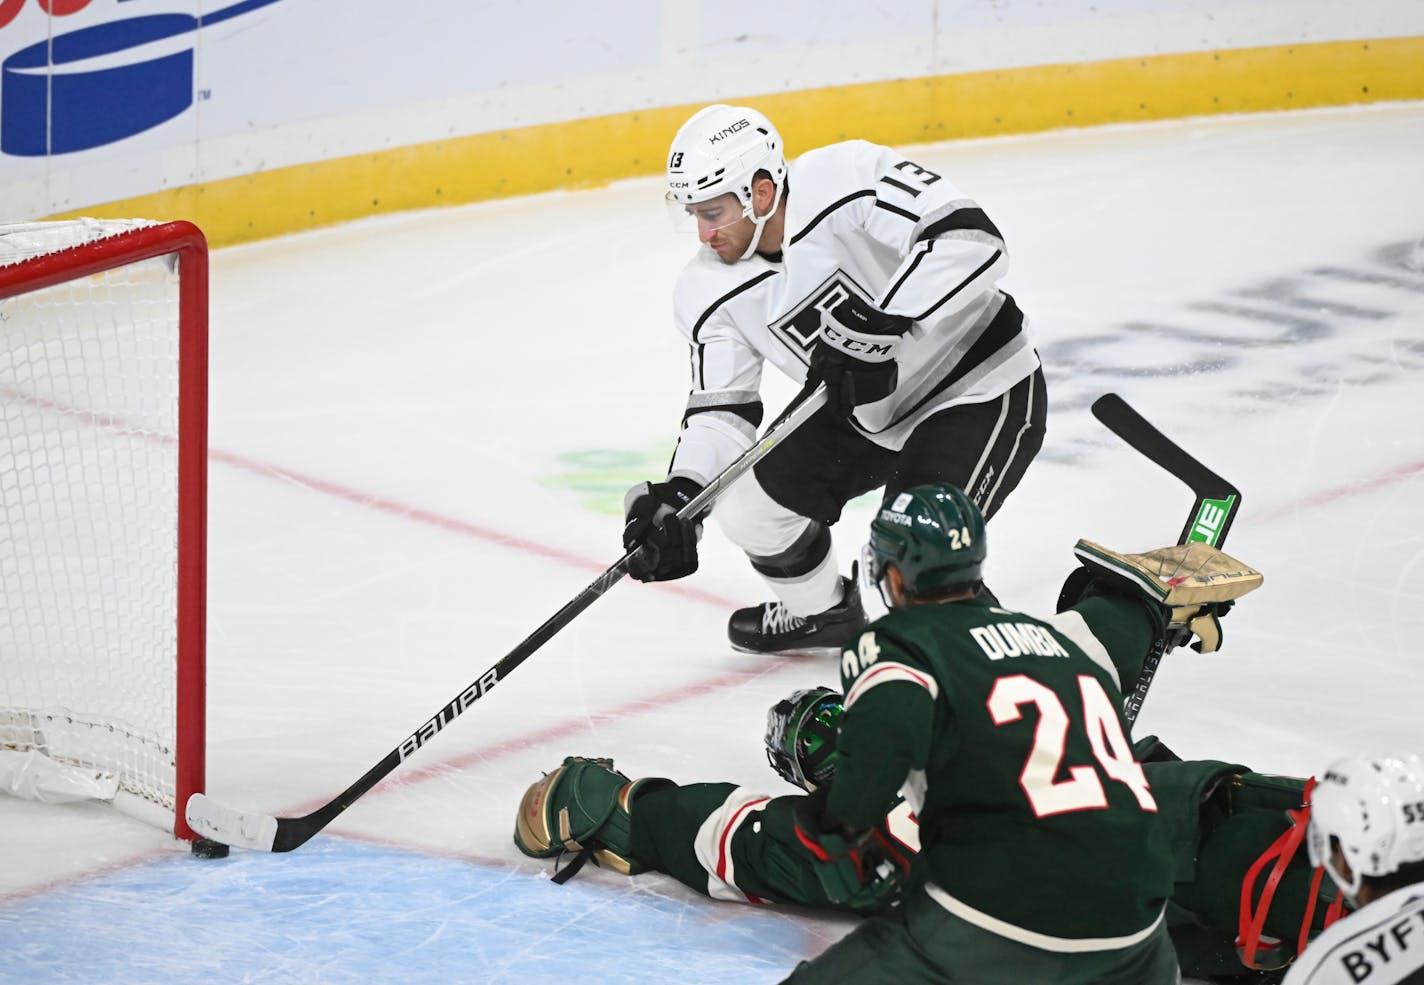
(207,848)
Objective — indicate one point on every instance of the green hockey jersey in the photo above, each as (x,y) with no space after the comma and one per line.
(1007,734)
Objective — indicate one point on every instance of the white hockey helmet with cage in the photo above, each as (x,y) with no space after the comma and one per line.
(1374,807)
(720,149)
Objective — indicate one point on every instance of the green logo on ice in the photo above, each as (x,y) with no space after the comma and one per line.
(600,476)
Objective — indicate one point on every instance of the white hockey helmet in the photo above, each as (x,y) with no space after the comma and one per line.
(720,149)
(1374,807)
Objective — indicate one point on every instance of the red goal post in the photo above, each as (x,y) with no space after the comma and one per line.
(103,513)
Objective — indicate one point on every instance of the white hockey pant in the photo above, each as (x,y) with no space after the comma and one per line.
(799,550)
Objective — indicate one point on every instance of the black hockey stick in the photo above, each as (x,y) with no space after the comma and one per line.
(262,832)
(1208,522)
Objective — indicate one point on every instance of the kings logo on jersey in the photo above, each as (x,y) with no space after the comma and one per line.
(799,328)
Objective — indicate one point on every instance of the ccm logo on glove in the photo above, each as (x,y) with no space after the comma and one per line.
(855,354)
(868,349)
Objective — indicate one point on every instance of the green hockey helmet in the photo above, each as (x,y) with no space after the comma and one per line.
(934,535)
(801,736)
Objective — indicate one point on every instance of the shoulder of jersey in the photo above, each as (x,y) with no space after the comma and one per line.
(899,620)
(706,280)
(849,161)
(893,621)
(825,176)
(1365,922)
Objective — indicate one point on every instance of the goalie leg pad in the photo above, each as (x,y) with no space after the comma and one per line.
(585,803)
(1183,575)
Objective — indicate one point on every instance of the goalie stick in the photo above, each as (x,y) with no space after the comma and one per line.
(262,832)
(1208,522)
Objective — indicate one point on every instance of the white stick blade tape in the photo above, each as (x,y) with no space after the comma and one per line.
(245,830)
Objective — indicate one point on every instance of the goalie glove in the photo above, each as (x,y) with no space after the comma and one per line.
(855,354)
(860,870)
(1194,583)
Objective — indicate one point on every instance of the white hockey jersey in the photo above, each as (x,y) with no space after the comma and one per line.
(860,218)
(1379,944)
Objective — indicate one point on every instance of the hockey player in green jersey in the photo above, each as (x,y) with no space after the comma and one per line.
(1229,828)
(1007,734)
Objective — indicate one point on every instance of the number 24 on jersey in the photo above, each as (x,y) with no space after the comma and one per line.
(1082,790)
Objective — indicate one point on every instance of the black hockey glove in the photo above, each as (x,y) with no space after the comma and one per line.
(668,544)
(855,354)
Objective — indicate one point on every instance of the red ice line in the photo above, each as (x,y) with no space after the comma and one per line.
(657,702)
(1362,485)
(676,694)
(682,692)
(393,508)
(639,706)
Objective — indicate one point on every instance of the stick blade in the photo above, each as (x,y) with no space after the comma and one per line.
(244,829)
(1119,417)
(1218,501)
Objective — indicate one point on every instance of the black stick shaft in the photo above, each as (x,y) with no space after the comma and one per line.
(293,832)
(1210,518)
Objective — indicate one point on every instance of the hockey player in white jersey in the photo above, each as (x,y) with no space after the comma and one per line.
(854,266)
(1367,829)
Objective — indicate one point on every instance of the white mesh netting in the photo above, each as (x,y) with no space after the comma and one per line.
(88,532)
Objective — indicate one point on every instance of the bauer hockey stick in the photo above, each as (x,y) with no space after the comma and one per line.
(262,832)
(1208,522)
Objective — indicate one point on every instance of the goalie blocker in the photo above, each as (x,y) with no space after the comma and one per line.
(1194,584)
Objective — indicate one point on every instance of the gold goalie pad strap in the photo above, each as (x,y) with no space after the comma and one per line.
(1180,575)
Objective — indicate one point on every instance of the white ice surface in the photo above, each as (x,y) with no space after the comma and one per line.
(421,426)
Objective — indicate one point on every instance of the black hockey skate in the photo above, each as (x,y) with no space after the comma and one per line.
(770,628)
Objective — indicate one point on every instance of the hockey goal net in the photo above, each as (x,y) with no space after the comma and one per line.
(103,450)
